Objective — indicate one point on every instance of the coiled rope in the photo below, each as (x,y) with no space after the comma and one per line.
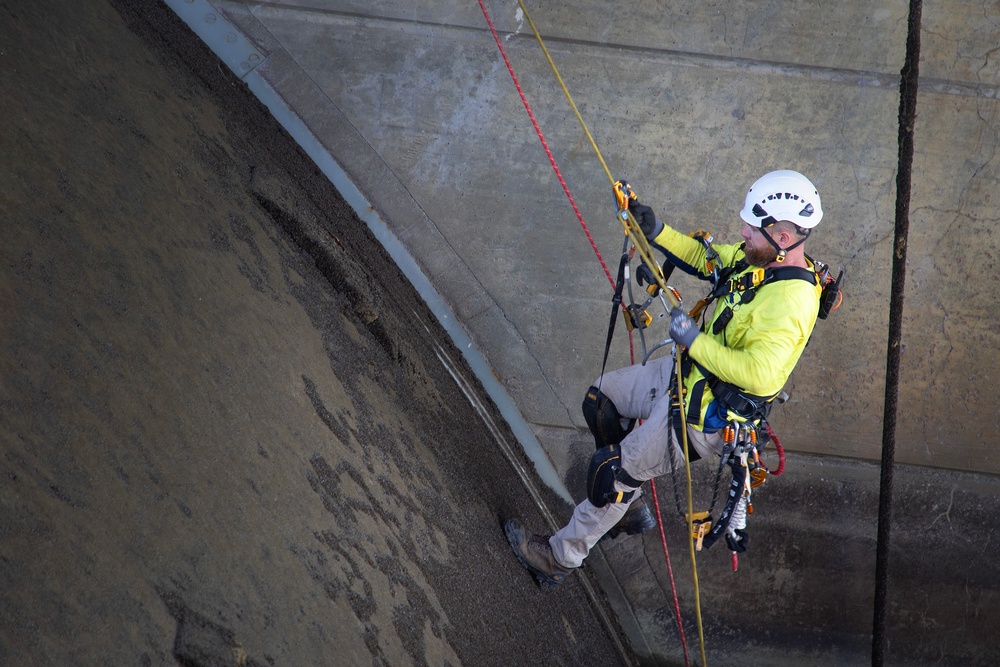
(647,259)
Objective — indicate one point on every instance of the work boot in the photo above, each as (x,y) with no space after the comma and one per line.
(637,519)
(535,555)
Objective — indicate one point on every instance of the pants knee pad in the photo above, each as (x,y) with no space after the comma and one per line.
(605,469)
(603,419)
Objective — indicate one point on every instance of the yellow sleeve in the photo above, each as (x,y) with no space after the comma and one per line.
(688,254)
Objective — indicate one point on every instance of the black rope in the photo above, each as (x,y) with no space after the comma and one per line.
(907,119)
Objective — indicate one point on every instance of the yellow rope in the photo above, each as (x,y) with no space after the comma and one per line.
(632,229)
(642,245)
(690,513)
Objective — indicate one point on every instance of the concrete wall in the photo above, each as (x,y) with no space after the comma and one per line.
(691,103)
(223,443)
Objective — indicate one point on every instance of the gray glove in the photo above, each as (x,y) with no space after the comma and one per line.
(683,329)
(644,215)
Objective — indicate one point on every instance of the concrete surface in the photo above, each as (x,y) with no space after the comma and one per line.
(230,432)
(691,103)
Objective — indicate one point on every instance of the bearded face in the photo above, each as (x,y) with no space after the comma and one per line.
(760,255)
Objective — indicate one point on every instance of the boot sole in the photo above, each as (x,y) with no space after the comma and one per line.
(514,534)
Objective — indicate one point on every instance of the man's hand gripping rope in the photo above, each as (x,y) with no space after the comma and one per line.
(628,205)
(640,225)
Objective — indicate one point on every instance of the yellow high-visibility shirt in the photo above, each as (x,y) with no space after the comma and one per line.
(759,347)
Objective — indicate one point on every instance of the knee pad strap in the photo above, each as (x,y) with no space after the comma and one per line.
(604,419)
(605,469)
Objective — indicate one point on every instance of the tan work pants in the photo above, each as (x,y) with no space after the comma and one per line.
(639,392)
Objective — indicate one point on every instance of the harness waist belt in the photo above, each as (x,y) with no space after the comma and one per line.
(746,405)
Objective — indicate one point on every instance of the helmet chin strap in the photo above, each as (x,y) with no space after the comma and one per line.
(781,251)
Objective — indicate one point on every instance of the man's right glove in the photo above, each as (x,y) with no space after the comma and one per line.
(683,330)
(644,215)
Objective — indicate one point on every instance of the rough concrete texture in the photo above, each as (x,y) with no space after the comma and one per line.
(690,103)
(231,433)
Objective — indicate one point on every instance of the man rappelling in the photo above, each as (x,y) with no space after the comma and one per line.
(649,419)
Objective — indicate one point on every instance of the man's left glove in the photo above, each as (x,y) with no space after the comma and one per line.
(683,330)
(650,226)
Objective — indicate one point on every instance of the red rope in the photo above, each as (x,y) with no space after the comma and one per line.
(586,230)
(670,570)
(781,452)
(545,145)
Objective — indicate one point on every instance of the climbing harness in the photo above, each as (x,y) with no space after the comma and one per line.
(746,430)
(747,283)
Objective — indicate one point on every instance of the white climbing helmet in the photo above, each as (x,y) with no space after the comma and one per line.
(782,195)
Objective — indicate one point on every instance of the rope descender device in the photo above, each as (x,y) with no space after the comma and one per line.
(637,317)
(623,194)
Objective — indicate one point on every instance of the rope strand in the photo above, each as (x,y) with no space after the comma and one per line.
(646,256)
(545,145)
(670,573)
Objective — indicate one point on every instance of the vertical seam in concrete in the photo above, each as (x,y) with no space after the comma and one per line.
(243,59)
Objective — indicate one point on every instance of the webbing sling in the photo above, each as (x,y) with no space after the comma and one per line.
(616,304)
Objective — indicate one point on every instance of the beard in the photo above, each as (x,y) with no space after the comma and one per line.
(760,256)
